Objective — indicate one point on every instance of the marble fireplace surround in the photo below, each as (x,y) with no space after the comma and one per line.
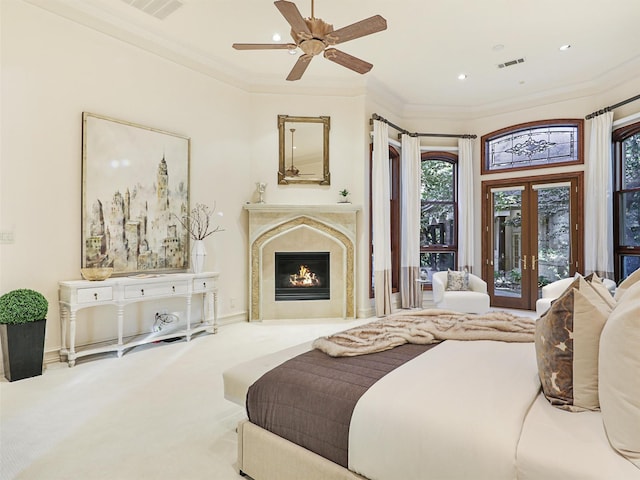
(274,228)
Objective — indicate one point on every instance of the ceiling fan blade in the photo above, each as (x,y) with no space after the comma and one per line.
(264,46)
(292,15)
(356,30)
(299,68)
(346,60)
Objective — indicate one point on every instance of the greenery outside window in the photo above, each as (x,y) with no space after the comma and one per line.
(439,213)
(626,158)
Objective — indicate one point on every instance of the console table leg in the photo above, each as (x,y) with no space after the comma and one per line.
(189,318)
(213,308)
(120,330)
(64,318)
(71,356)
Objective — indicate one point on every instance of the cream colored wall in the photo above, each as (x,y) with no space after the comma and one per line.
(573,108)
(480,125)
(344,149)
(349,158)
(46,85)
(54,69)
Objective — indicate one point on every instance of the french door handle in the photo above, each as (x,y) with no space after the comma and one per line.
(533,262)
(524,260)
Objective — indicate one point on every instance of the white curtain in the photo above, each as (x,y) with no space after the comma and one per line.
(410,291)
(381,218)
(598,222)
(466,224)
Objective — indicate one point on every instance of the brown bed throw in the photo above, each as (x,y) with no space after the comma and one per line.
(310,398)
(426,326)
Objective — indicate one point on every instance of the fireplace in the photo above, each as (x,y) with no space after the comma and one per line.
(277,228)
(302,276)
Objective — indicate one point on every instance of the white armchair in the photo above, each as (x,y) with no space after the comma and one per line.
(550,292)
(553,290)
(474,300)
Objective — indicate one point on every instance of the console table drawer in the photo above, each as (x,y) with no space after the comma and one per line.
(203,284)
(75,295)
(154,290)
(98,294)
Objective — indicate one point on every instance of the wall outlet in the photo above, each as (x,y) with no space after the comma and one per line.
(6,237)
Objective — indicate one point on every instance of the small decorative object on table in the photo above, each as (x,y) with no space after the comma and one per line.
(96,273)
(198,224)
(344,196)
(262,187)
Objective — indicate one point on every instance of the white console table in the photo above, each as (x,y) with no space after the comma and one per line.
(119,292)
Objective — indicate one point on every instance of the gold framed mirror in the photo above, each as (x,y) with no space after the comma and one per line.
(304,150)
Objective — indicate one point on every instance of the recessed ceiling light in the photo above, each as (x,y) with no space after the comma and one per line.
(565,47)
(462,76)
(497,48)
(276,37)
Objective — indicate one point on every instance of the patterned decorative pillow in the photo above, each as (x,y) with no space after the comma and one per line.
(567,342)
(457,281)
(626,283)
(619,377)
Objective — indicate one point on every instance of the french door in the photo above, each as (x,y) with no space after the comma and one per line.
(532,236)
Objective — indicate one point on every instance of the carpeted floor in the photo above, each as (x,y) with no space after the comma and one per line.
(156,413)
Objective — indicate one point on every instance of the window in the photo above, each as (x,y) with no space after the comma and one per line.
(439,218)
(626,157)
(394,179)
(533,145)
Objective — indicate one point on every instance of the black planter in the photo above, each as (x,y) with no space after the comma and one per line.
(22,349)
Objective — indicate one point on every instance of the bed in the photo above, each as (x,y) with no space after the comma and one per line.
(442,415)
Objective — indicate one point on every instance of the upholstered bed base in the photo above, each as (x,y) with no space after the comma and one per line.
(265,456)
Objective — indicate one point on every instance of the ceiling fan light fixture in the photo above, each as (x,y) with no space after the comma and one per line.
(312,47)
(314,36)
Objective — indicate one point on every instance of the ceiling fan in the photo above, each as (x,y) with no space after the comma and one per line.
(314,36)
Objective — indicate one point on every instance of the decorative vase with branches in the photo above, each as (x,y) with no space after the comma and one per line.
(199,226)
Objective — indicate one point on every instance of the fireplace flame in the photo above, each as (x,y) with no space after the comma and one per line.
(304,278)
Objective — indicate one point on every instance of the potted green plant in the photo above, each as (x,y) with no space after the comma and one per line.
(22,327)
(344,195)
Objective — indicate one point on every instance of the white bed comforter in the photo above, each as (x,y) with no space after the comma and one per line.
(455,412)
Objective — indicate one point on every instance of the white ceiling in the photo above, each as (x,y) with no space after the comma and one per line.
(417,60)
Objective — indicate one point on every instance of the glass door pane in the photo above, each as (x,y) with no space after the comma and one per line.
(554,232)
(507,242)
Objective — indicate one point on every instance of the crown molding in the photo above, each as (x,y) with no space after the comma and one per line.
(92,16)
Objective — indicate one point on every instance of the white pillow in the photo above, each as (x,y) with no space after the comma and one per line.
(626,283)
(619,375)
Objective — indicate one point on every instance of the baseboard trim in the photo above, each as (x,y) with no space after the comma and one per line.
(238,317)
(53,355)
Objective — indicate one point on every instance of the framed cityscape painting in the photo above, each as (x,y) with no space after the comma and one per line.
(135,188)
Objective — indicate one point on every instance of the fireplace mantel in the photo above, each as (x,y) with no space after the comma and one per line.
(330,227)
(281,207)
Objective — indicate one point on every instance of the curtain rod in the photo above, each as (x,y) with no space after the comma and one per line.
(375,116)
(611,107)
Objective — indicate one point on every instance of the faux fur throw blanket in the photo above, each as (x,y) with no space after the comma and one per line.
(423,327)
